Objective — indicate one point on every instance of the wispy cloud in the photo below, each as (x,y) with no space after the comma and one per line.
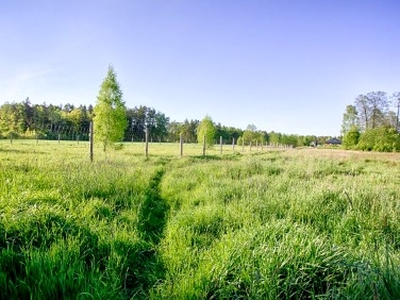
(29,75)
(23,82)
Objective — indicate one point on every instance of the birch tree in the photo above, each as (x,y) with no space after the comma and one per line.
(110,119)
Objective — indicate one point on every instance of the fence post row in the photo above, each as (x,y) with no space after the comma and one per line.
(259,146)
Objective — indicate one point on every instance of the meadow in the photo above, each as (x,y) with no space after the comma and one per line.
(271,224)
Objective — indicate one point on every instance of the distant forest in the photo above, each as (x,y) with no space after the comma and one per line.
(47,121)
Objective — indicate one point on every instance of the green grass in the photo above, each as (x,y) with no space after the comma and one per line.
(271,224)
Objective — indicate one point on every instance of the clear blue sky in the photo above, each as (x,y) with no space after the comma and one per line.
(288,66)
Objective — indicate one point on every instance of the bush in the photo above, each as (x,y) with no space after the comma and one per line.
(350,139)
(384,139)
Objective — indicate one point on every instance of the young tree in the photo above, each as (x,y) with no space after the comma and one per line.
(110,113)
(8,120)
(207,129)
(350,119)
(351,137)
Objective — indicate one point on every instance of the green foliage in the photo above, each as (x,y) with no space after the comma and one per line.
(240,141)
(383,139)
(142,117)
(110,113)
(296,224)
(206,129)
(351,137)
(275,138)
(350,119)
(189,130)
(69,122)
(377,118)
(8,120)
(252,135)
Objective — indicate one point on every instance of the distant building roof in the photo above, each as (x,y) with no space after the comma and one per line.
(333,141)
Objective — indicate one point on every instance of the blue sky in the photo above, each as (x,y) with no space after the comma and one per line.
(288,66)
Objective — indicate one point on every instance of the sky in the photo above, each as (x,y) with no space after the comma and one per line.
(287,66)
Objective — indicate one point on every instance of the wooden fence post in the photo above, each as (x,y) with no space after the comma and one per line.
(59,136)
(233,144)
(220,145)
(181,144)
(250,146)
(91,133)
(147,143)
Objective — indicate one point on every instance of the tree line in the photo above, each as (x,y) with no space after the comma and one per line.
(372,122)
(47,121)
(27,120)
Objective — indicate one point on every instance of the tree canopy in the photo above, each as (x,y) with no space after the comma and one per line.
(110,119)
(206,129)
(251,135)
(372,123)
(350,119)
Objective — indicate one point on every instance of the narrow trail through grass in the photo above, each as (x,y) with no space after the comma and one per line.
(152,219)
(153,212)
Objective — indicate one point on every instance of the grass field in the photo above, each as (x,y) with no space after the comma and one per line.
(276,224)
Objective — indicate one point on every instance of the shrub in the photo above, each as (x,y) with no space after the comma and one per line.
(350,139)
(383,139)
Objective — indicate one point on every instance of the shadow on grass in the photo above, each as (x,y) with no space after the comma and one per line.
(144,268)
(152,214)
(21,151)
(235,156)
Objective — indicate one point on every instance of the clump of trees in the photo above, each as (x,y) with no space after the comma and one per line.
(372,123)
(252,136)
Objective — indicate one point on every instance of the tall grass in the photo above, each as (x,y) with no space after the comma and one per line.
(294,224)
